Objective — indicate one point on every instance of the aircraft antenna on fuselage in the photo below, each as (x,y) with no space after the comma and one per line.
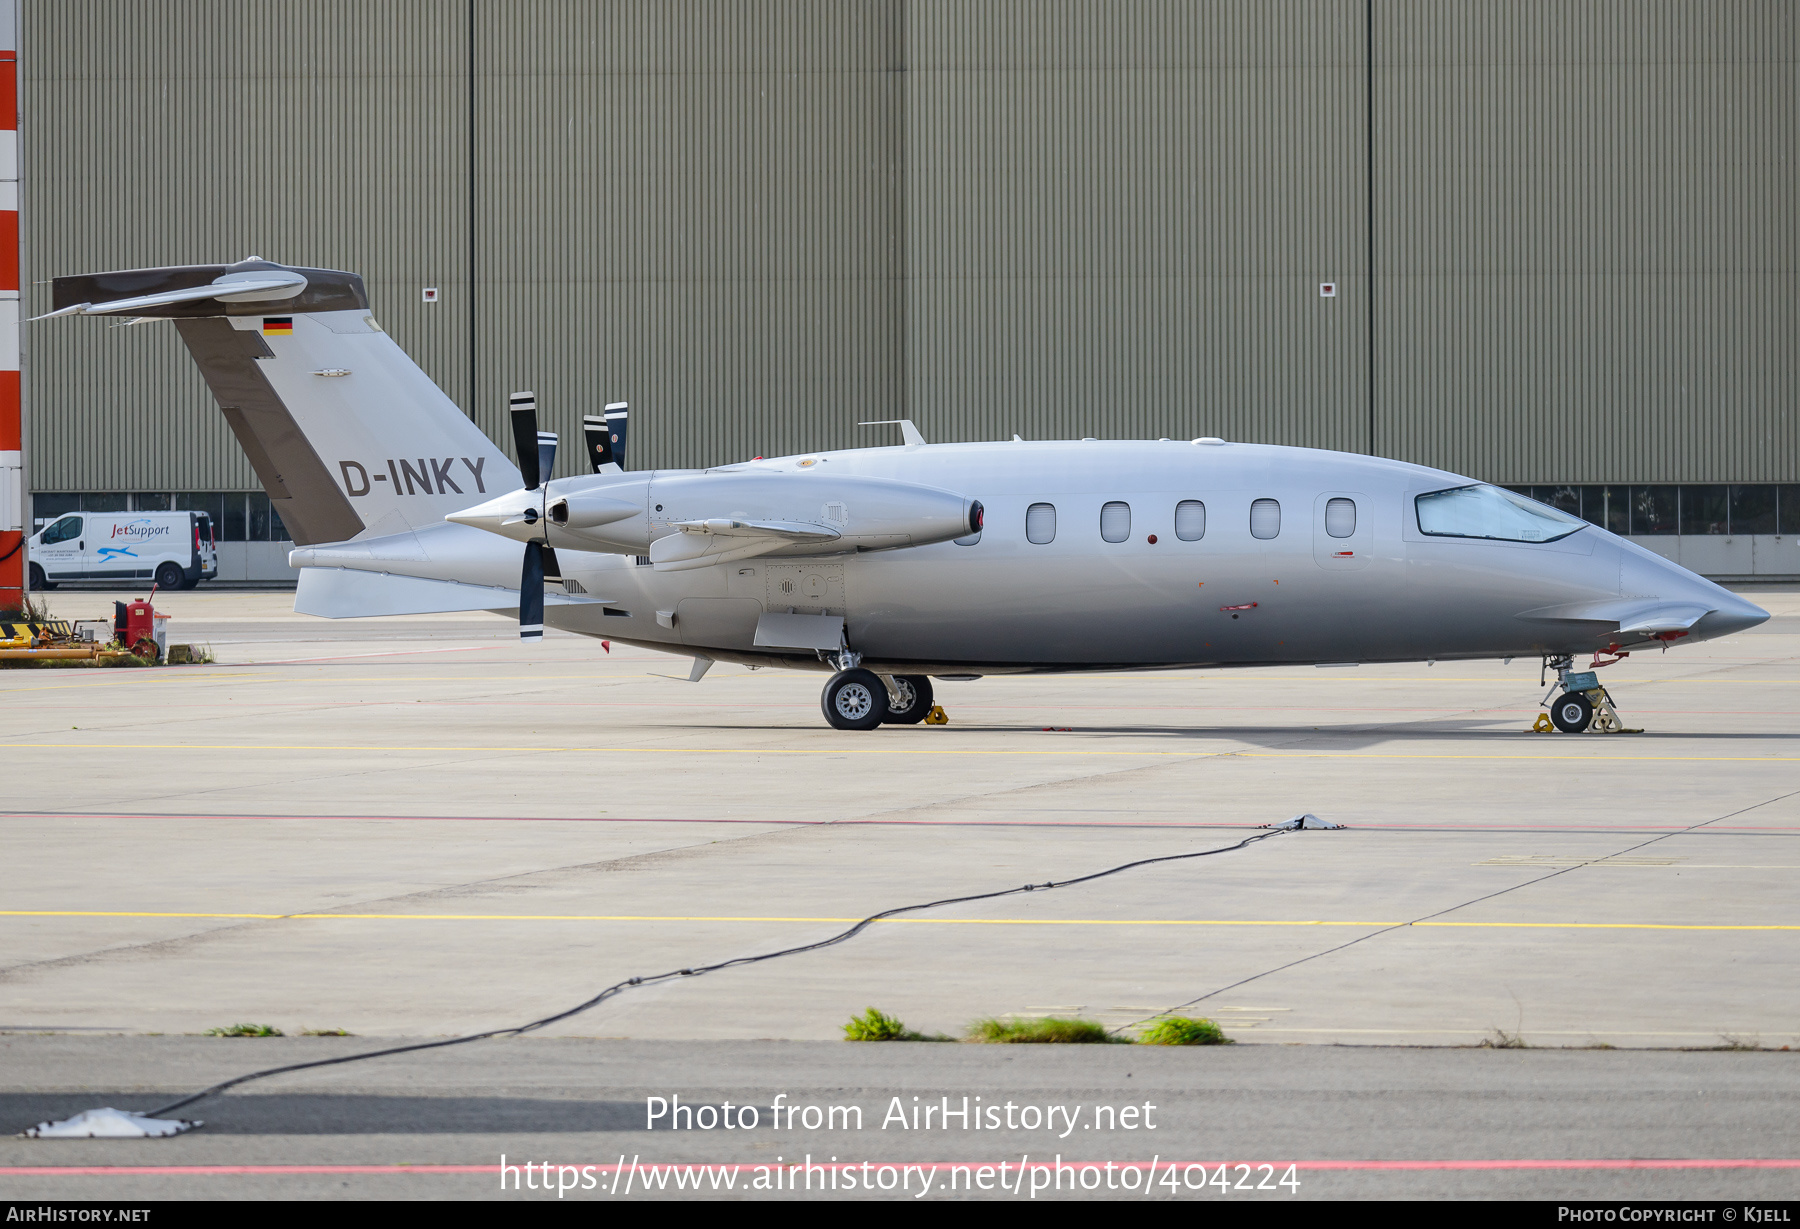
(908,432)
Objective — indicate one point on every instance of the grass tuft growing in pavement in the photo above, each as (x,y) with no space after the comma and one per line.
(1184,1031)
(1051,1030)
(245,1030)
(874,1025)
(325,1032)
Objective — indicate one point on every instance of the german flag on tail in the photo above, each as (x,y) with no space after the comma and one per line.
(278,326)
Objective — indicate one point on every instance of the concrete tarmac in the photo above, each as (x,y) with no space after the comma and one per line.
(1352,1122)
(416,827)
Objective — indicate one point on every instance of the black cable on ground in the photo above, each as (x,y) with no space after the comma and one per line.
(618,988)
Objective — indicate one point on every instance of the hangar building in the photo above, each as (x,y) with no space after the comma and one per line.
(1549,245)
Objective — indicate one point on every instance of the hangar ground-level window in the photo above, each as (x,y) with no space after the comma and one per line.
(1492,512)
(1190,520)
(1340,518)
(1265,518)
(1040,523)
(1115,521)
(1653,511)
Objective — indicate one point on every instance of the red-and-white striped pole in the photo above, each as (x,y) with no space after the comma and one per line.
(14,520)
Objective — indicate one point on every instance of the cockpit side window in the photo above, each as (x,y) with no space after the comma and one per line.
(1491,512)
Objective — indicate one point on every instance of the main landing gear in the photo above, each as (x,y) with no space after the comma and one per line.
(858,699)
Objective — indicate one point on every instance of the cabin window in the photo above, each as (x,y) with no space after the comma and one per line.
(1340,517)
(1492,512)
(1115,521)
(1190,520)
(1265,518)
(1040,523)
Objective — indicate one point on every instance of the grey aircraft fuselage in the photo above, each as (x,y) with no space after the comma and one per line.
(1002,603)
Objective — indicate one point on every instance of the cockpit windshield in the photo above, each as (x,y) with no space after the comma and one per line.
(1492,512)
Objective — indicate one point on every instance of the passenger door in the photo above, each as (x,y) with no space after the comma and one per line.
(60,549)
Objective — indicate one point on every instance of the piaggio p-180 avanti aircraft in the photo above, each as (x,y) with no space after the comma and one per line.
(887,566)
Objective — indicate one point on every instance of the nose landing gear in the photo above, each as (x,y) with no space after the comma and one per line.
(1584,705)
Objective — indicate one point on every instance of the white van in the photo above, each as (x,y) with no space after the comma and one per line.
(175,549)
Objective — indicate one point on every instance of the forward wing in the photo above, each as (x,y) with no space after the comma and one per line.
(701,544)
(1634,618)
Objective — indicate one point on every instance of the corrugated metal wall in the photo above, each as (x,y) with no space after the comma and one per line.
(760,222)
(1119,215)
(1585,238)
(693,207)
(329,133)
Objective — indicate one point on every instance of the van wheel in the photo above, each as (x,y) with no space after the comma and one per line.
(168,576)
(39,583)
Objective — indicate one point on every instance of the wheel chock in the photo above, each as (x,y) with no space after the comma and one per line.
(936,716)
(1542,725)
(1606,717)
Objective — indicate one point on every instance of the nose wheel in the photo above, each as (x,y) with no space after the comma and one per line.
(1572,713)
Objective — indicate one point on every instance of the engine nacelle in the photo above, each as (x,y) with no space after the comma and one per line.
(688,519)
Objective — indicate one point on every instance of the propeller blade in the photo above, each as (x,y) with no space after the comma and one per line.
(531,594)
(617,415)
(552,569)
(525,437)
(605,435)
(546,449)
(599,447)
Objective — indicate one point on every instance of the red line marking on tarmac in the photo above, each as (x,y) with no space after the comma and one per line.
(52,1171)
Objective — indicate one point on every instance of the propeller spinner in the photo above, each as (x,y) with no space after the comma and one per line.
(537,462)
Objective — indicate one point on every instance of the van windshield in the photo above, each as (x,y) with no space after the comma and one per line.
(1492,512)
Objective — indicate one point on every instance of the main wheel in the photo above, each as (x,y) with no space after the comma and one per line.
(1572,713)
(39,582)
(854,700)
(915,700)
(169,576)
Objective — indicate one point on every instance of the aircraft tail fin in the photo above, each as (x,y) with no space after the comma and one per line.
(346,434)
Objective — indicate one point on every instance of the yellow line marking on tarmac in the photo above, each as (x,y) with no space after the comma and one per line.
(123,678)
(919,921)
(1195,753)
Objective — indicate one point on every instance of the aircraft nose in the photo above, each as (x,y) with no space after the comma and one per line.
(1645,575)
(1735,615)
